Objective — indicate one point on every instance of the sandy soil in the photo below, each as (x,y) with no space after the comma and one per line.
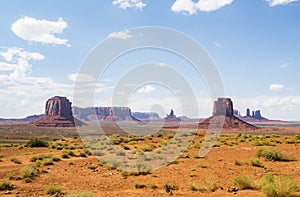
(74,174)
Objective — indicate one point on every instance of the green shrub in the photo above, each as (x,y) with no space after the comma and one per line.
(48,162)
(15,160)
(278,186)
(36,143)
(53,190)
(192,186)
(28,173)
(139,186)
(169,188)
(80,194)
(153,186)
(244,182)
(256,163)
(55,158)
(65,156)
(238,163)
(274,155)
(82,154)
(5,184)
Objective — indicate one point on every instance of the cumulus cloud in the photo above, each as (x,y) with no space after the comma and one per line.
(122,35)
(277,87)
(190,7)
(124,4)
(280,2)
(17,61)
(146,89)
(41,31)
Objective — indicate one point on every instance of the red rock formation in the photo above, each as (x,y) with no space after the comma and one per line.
(172,117)
(58,113)
(223,117)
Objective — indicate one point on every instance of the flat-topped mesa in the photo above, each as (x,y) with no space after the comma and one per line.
(58,113)
(223,107)
(104,113)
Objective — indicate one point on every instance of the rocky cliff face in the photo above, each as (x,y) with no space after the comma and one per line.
(223,107)
(104,113)
(58,113)
(145,115)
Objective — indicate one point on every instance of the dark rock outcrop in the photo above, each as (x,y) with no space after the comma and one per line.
(58,113)
(256,116)
(172,117)
(223,117)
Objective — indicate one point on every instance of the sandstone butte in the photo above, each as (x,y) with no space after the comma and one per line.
(223,117)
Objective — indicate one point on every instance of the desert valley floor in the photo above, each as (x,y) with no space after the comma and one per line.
(236,165)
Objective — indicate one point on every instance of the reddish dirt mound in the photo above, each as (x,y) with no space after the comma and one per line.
(225,123)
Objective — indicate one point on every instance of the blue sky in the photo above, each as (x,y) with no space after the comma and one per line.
(254,44)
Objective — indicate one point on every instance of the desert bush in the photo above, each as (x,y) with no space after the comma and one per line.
(204,165)
(149,148)
(92,166)
(153,186)
(274,155)
(36,143)
(65,156)
(80,194)
(244,182)
(278,186)
(28,173)
(139,185)
(1,156)
(297,136)
(5,184)
(82,154)
(53,190)
(55,158)
(48,162)
(256,163)
(15,160)
(238,163)
(169,188)
(71,153)
(193,186)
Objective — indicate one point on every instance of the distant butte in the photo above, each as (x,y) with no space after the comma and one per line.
(58,113)
(223,111)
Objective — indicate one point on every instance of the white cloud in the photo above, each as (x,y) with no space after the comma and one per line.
(124,4)
(190,7)
(217,44)
(146,89)
(277,87)
(285,65)
(184,6)
(81,78)
(280,2)
(212,5)
(122,35)
(41,31)
(18,62)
